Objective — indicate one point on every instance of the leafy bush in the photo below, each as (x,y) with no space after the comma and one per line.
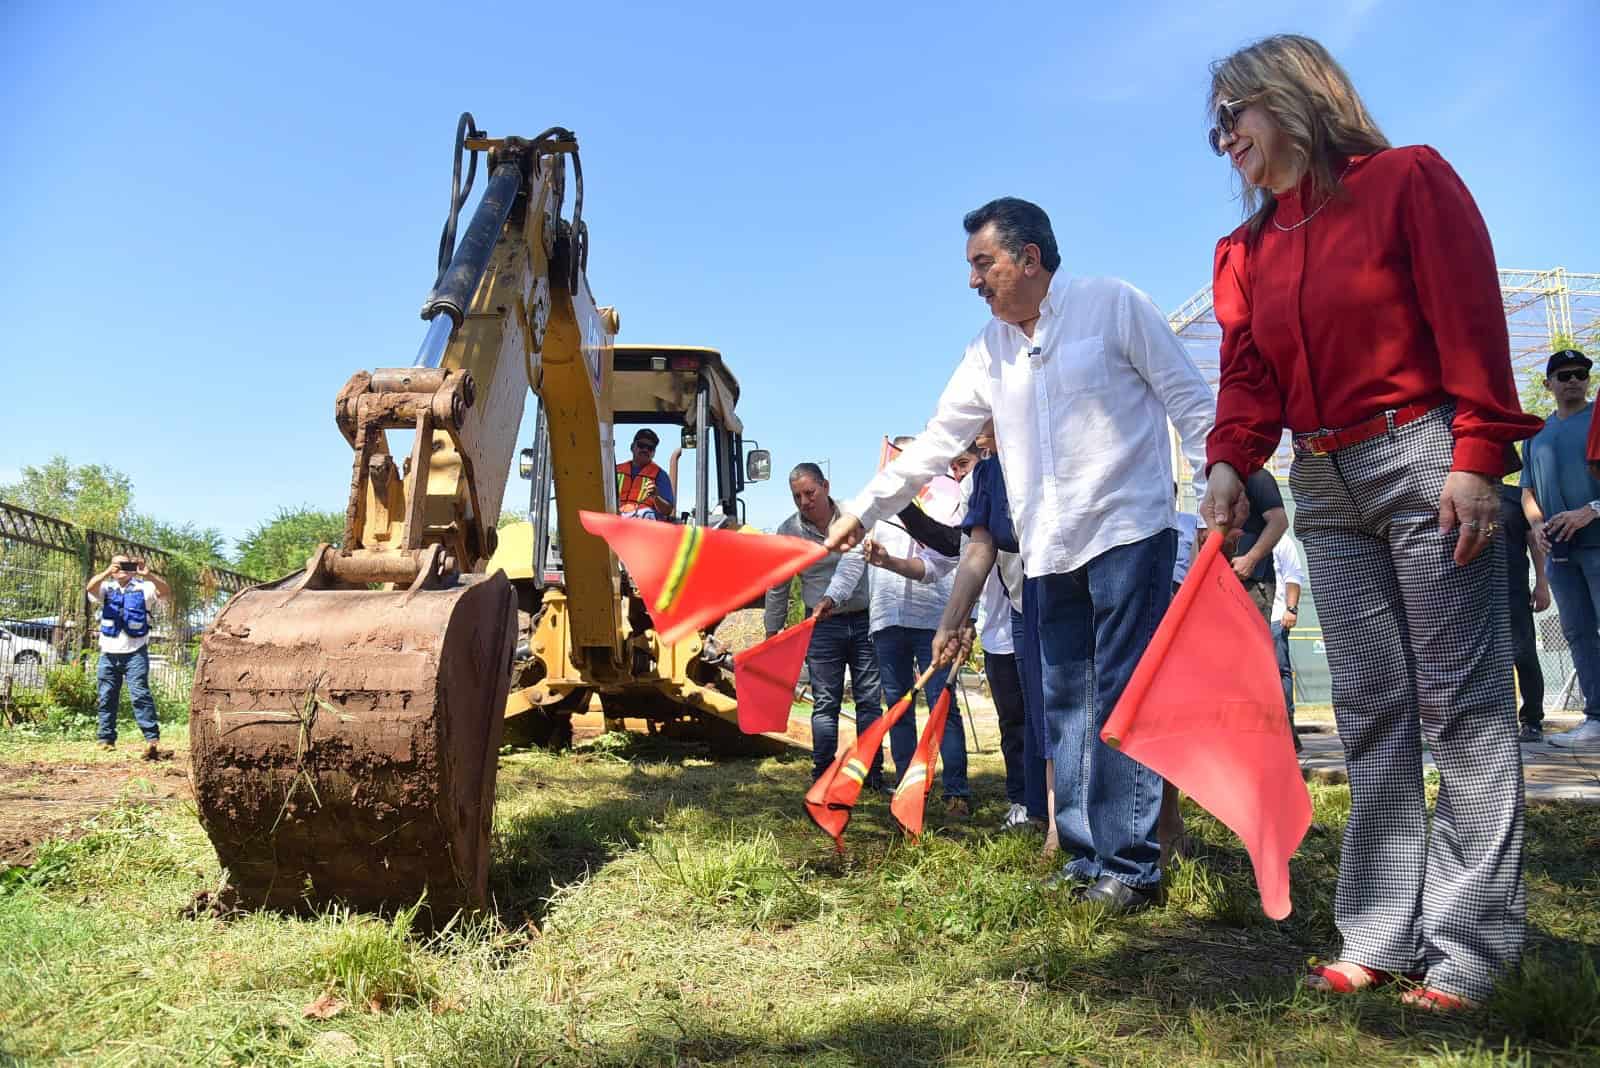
(71,689)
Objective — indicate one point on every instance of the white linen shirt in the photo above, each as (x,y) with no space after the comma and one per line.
(898,601)
(1286,563)
(1080,415)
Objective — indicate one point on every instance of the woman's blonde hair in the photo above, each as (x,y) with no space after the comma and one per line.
(1309,96)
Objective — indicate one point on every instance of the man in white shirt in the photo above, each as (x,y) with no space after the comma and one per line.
(903,614)
(1291,573)
(127,592)
(1080,376)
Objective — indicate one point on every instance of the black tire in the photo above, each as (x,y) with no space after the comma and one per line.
(27,656)
(547,727)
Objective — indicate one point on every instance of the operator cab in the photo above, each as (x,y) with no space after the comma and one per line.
(691,387)
(680,385)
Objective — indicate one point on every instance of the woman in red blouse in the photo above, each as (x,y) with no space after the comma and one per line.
(1360,309)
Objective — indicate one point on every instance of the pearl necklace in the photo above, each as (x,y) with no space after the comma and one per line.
(1313,215)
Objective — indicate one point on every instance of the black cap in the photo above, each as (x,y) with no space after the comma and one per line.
(1566,358)
(646,434)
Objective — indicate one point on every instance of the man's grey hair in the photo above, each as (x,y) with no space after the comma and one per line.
(1017,224)
(807,470)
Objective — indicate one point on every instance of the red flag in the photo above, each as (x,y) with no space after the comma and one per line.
(911,796)
(831,797)
(1205,709)
(689,576)
(764,676)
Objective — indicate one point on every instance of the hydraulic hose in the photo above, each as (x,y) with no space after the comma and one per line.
(454,290)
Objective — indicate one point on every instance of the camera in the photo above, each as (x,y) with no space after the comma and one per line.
(128,566)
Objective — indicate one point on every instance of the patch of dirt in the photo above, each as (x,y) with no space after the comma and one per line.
(43,801)
(742,629)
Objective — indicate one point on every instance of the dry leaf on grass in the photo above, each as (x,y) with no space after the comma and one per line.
(326,1007)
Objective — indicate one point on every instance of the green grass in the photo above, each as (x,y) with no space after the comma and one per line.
(656,907)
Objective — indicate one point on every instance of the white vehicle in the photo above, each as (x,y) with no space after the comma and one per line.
(23,658)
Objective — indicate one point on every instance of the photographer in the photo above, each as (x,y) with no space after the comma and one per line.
(127,593)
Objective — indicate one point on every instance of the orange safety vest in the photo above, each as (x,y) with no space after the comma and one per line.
(637,492)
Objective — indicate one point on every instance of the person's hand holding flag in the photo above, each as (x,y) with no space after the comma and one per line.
(953,646)
(1225,507)
(844,533)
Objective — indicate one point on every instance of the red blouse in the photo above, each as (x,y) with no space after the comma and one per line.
(1387,297)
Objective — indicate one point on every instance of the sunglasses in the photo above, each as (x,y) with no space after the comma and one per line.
(645,445)
(1227,120)
(1574,374)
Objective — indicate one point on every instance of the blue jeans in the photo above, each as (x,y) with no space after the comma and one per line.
(1280,642)
(903,654)
(1094,625)
(135,667)
(1575,584)
(838,642)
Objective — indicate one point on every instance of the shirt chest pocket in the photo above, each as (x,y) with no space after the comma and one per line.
(1075,368)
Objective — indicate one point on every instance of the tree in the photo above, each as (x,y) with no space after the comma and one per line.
(282,544)
(90,495)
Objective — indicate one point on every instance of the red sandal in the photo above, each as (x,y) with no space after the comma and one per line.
(1428,999)
(1324,979)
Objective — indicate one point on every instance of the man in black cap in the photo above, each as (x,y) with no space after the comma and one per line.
(643,489)
(1561,500)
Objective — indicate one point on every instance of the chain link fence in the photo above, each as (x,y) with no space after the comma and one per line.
(46,618)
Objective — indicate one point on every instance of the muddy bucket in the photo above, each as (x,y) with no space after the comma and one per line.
(345,743)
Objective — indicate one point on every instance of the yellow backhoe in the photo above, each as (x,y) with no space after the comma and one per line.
(346,720)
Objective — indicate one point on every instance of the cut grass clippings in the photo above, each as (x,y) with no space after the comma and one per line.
(654,906)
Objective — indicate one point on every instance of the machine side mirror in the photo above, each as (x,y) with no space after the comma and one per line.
(757,465)
(689,439)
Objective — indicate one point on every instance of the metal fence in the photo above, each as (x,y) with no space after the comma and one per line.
(46,618)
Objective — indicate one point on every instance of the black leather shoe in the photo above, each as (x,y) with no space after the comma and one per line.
(1072,882)
(1118,897)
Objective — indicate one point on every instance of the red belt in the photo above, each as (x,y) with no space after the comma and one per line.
(1322,442)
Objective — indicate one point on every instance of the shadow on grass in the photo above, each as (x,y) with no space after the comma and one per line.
(537,852)
(1563,840)
(1211,953)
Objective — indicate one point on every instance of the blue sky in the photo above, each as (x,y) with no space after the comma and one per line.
(218,215)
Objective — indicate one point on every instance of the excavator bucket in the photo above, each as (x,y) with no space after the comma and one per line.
(345,742)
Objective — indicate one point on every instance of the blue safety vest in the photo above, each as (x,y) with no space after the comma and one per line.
(123,609)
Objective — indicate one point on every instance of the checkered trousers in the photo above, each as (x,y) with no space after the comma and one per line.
(1417,646)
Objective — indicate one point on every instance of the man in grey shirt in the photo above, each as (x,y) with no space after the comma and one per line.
(832,590)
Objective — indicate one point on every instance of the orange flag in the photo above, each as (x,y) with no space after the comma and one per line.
(691,577)
(831,797)
(911,796)
(764,676)
(1205,709)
